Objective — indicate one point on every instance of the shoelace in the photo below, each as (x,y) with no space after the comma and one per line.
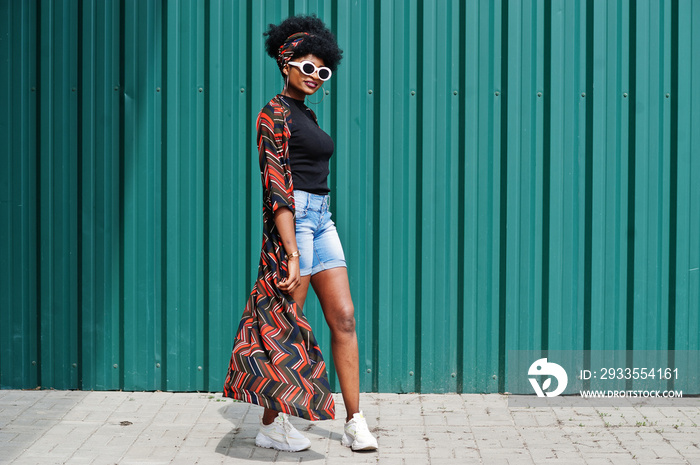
(286,424)
(361,427)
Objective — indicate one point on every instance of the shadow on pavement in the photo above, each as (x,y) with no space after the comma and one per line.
(240,441)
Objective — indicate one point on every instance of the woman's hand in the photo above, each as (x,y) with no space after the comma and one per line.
(288,284)
(284,220)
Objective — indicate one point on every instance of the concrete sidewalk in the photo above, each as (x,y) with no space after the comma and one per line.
(75,427)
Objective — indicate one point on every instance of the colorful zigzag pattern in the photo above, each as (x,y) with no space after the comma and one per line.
(276,361)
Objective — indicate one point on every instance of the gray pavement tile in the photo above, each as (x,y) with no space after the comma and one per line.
(441,453)
(448,461)
(544,454)
(512,455)
(352,460)
(144,461)
(412,458)
(611,455)
(457,419)
(392,461)
(88,460)
(691,457)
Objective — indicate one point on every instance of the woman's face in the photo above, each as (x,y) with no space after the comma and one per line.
(299,85)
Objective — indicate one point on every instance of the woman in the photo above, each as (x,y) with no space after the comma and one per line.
(276,362)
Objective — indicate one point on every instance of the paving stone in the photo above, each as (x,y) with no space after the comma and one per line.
(393,461)
(441,453)
(85,460)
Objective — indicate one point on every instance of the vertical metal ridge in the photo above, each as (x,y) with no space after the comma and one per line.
(39,204)
(673,205)
(503,206)
(73,336)
(32,216)
(631,167)
(165,90)
(206,197)
(6,187)
(588,228)
(419,195)
(6,163)
(376,210)
(79,179)
(333,169)
(546,168)
(334,100)
(122,213)
(248,129)
(461,212)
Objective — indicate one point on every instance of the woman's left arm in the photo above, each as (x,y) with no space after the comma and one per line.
(284,221)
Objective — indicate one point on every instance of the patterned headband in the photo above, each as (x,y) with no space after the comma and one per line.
(287,48)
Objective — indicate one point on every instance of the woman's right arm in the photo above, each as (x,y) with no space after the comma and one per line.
(278,192)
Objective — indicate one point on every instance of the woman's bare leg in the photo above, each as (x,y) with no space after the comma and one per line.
(333,291)
(299,296)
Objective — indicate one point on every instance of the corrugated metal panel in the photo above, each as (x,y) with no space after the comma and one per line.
(19,316)
(685,298)
(57,194)
(101,206)
(508,175)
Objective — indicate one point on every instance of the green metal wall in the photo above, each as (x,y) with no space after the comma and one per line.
(508,175)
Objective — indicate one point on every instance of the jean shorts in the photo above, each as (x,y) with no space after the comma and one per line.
(317,238)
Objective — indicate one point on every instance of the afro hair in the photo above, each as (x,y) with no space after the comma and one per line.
(322,42)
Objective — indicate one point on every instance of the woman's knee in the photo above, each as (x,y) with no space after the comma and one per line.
(343,321)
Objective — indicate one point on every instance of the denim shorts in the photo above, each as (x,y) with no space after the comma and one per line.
(317,238)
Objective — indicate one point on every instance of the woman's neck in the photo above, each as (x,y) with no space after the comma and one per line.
(293,95)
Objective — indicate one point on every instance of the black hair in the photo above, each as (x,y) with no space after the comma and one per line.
(322,42)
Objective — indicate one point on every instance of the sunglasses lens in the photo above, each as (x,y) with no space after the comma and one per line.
(308,68)
(324,74)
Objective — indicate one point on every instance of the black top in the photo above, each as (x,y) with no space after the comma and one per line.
(310,149)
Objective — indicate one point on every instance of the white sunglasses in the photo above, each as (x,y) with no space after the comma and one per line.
(309,68)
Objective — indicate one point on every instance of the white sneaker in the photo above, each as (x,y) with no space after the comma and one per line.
(281,435)
(357,435)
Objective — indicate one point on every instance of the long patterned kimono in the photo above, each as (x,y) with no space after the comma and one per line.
(276,361)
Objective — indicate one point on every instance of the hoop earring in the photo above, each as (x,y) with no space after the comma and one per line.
(316,103)
(286,83)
